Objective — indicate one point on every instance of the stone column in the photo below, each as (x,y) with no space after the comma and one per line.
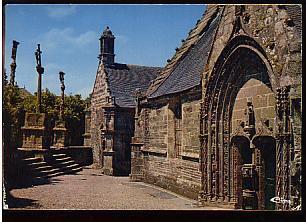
(260,169)
(60,131)
(40,71)
(137,161)
(107,138)
(13,64)
(283,143)
(87,134)
(203,155)
(34,130)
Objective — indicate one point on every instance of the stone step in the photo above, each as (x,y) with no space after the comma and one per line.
(32,160)
(41,168)
(62,159)
(60,173)
(63,164)
(75,170)
(59,155)
(58,164)
(71,166)
(52,175)
(37,164)
(46,172)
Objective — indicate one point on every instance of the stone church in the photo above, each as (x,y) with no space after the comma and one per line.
(221,122)
(110,119)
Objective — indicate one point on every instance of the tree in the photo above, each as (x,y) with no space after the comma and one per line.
(15,106)
(12,116)
(12,121)
(74,118)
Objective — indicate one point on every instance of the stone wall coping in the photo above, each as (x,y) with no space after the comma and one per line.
(70,147)
(192,155)
(154,151)
(78,147)
(32,128)
(38,150)
(59,129)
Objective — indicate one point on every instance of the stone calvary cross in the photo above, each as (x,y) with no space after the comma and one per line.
(61,77)
(13,64)
(40,71)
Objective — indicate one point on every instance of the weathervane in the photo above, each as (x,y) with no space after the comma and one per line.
(40,71)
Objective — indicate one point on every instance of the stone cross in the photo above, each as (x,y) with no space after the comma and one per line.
(40,71)
(13,64)
(61,78)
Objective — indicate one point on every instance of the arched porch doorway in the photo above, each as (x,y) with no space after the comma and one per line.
(240,105)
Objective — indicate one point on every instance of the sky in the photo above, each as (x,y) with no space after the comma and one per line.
(69,37)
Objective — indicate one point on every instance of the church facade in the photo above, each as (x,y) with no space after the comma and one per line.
(110,119)
(221,123)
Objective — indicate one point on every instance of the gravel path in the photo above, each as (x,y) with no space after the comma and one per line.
(89,189)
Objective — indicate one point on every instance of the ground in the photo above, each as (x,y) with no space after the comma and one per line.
(89,189)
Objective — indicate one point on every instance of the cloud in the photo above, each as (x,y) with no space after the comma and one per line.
(60,11)
(66,40)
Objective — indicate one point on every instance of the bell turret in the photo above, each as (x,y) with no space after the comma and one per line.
(107,46)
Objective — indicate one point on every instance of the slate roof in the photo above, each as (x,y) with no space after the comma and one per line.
(187,71)
(125,79)
(295,13)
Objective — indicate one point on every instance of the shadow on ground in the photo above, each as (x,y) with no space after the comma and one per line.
(25,182)
(14,202)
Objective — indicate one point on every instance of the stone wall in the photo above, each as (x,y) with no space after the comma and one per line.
(158,123)
(177,175)
(160,162)
(124,131)
(269,26)
(100,98)
(263,101)
(191,128)
(244,33)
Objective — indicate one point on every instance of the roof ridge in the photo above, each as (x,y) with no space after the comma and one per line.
(143,66)
(209,14)
(123,82)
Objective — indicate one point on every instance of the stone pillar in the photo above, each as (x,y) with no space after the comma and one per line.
(136,162)
(87,134)
(13,64)
(60,131)
(34,130)
(40,71)
(260,188)
(107,139)
(283,143)
(171,133)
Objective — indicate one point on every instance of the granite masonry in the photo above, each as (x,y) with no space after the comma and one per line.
(221,122)
(113,107)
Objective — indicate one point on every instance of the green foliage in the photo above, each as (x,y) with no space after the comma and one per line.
(15,105)
(74,117)
(12,115)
